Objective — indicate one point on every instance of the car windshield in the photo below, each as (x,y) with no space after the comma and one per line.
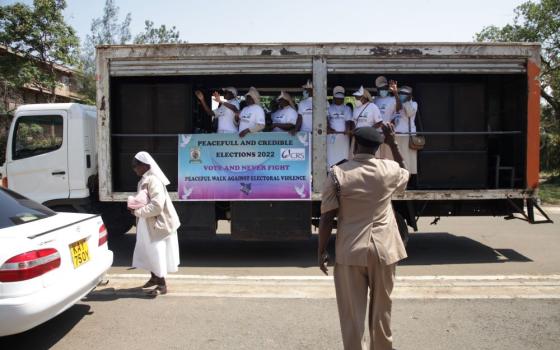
(17,209)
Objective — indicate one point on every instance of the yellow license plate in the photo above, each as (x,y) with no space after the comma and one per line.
(80,253)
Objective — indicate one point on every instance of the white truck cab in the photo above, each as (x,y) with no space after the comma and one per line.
(51,157)
(50,154)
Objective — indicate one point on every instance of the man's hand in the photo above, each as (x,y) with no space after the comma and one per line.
(244,132)
(199,95)
(323,261)
(389,132)
(393,87)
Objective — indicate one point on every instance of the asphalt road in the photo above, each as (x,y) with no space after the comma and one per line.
(469,283)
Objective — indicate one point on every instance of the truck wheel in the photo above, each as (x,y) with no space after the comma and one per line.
(403,228)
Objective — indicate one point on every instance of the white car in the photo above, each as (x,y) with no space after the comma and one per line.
(48,261)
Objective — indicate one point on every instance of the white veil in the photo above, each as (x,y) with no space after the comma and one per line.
(146,158)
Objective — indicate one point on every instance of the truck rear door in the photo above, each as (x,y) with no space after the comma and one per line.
(37,159)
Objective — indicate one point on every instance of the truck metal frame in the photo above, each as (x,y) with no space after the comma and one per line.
(319,60)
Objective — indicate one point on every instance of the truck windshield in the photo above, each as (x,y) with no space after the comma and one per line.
(17,210)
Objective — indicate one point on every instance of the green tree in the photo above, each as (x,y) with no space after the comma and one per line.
(105,30)
(41,40)
(539,22)
(161,35)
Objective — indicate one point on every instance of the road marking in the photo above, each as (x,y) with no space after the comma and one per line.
(322,287)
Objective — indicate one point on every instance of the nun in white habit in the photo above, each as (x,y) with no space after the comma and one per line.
(157,246)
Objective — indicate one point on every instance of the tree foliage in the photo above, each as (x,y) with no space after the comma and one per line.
(161,35)
(41,39)
(539,22)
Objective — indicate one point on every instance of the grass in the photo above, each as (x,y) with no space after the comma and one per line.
(549,190)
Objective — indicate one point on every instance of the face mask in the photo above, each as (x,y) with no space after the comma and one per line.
(305,94)
(383,93)
(359,103)
(403,98)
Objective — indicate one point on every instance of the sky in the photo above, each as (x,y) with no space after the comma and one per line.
(257,21)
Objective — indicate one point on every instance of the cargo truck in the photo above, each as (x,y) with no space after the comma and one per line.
(479,107)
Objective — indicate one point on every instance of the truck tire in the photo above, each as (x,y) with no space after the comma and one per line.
(403,228)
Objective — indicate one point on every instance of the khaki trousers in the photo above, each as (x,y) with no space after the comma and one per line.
(352,284)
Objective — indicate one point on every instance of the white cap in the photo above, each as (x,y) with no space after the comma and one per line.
(362,92)
(308,85)
(285,96)
(254,93)
(406,89)
(338,92)
(381,81)
(231,89)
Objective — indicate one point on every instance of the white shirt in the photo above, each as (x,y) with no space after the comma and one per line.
(286,115)
(408,112)
(226,117)
(250,116)
(338,116)
(367,115)
(387,106)
(305,109)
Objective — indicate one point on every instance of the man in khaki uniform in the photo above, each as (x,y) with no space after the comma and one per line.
(368,244)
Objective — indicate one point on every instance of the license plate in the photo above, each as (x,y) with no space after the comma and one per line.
(80,253)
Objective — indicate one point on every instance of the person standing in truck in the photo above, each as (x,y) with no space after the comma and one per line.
(226,111)
(368,244)
(157,245)
(285,117)
(388,103)
(405,123)
(366,113)
(305,109)
(252,118)
(339,123)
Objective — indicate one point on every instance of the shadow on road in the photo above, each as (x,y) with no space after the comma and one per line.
(444,248)
(48,334)
(423,249)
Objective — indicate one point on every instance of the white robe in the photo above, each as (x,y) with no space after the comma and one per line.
(160,257)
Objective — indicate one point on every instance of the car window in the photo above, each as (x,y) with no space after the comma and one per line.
(17,210)
(36,135)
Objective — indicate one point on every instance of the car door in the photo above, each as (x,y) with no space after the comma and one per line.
(37,165)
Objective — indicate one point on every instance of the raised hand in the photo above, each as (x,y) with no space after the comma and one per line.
(199,95)
(393,87)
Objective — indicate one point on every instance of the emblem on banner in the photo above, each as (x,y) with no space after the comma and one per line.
(195,155)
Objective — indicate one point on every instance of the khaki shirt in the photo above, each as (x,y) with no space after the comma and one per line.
(364,208)
(160,214)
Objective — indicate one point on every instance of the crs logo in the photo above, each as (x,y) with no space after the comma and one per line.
(292,154)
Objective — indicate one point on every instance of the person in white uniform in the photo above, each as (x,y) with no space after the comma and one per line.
(405,123)
(252,118)
(157,245)
(339,123)
(388,103)
(305,109)
(366,113)
(226,111)
(285,118)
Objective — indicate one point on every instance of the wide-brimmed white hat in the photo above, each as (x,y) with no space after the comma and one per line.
(338,92)
(285,96)
(254,93)
(231,89)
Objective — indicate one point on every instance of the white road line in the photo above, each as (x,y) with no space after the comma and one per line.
(322,287)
